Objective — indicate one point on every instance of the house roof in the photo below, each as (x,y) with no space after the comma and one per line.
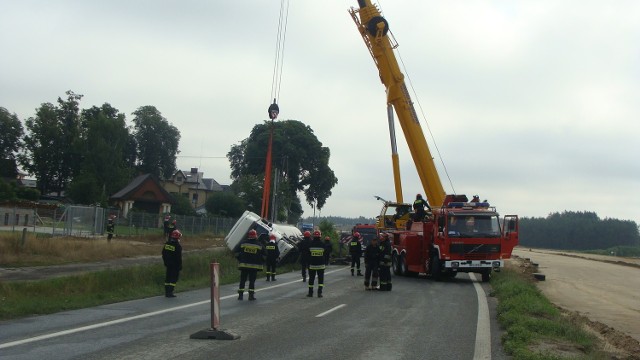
(130,190)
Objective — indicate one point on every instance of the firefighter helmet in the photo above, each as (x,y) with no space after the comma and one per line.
(356,235)
(176,234)
(317,233)
(419,196)
(272,237)
(307,234)
(252,234)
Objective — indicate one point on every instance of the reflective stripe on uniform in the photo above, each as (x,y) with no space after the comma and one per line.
(249,266)
(169,247)
(251,248)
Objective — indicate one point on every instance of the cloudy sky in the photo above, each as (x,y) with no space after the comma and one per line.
(534,105)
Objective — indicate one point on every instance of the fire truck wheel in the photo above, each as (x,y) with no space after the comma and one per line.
(486,276)
(394,264)
(436,267)
(403,265)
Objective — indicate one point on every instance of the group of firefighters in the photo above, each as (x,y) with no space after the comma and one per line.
(377,261)
(314,257)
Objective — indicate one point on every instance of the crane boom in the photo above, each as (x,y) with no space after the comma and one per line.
(374,28)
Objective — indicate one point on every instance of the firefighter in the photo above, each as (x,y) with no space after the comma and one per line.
(172,226)
(250,258)
(273,253)
(385,263)
(303,247)
(418,207)
(165,225)
(371,264)
(110,229)
(327,249)
(316,263)
(355,250)
(172,258)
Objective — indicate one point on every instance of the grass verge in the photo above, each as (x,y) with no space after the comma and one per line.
(535,328)
(21,299)
(43,251)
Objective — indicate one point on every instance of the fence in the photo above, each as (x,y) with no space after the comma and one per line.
(87,221)
(138,223)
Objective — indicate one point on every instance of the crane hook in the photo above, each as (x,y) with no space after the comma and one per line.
(274,110)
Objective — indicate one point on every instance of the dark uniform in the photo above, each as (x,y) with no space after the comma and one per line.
(355,250)
(172,258)
(316,263)
(171,227)
(303,247)
(273,253)
(327,250)
(418,208)
(385,264)
(250,258)
(165,225)
(110,229)
(371,264)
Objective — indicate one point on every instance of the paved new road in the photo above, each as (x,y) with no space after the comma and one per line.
(419,319)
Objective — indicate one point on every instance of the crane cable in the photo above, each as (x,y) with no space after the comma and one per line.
(424,117)
(276,78)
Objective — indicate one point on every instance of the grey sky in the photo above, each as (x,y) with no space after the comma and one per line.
(534,105)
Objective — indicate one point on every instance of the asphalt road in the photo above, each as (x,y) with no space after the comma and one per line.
(419,319)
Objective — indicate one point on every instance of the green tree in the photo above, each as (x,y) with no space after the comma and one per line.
(225,203)
(157,142)
(84,189)
(300,160)
(107,155)
(27,193)
(577,231)
(7,191)
(51,146)
(10,134)
(182,206)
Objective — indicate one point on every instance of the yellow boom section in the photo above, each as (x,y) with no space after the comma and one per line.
(373,28)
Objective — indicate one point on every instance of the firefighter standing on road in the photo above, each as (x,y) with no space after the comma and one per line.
(303,247)
(355,250)
(385,263)
(172,258)
(272,257)
(250,258)
(327,249)
(316,263)
(371,264)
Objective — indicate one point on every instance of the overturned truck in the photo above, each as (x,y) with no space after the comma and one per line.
(287,236)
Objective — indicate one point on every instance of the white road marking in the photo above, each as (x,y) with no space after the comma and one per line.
(482,349)
(331,310)
(131,318)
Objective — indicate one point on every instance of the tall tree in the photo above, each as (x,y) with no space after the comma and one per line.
(299,158)
(225,203)
(51,150)
(10,134)
(107,155)
(157,142)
